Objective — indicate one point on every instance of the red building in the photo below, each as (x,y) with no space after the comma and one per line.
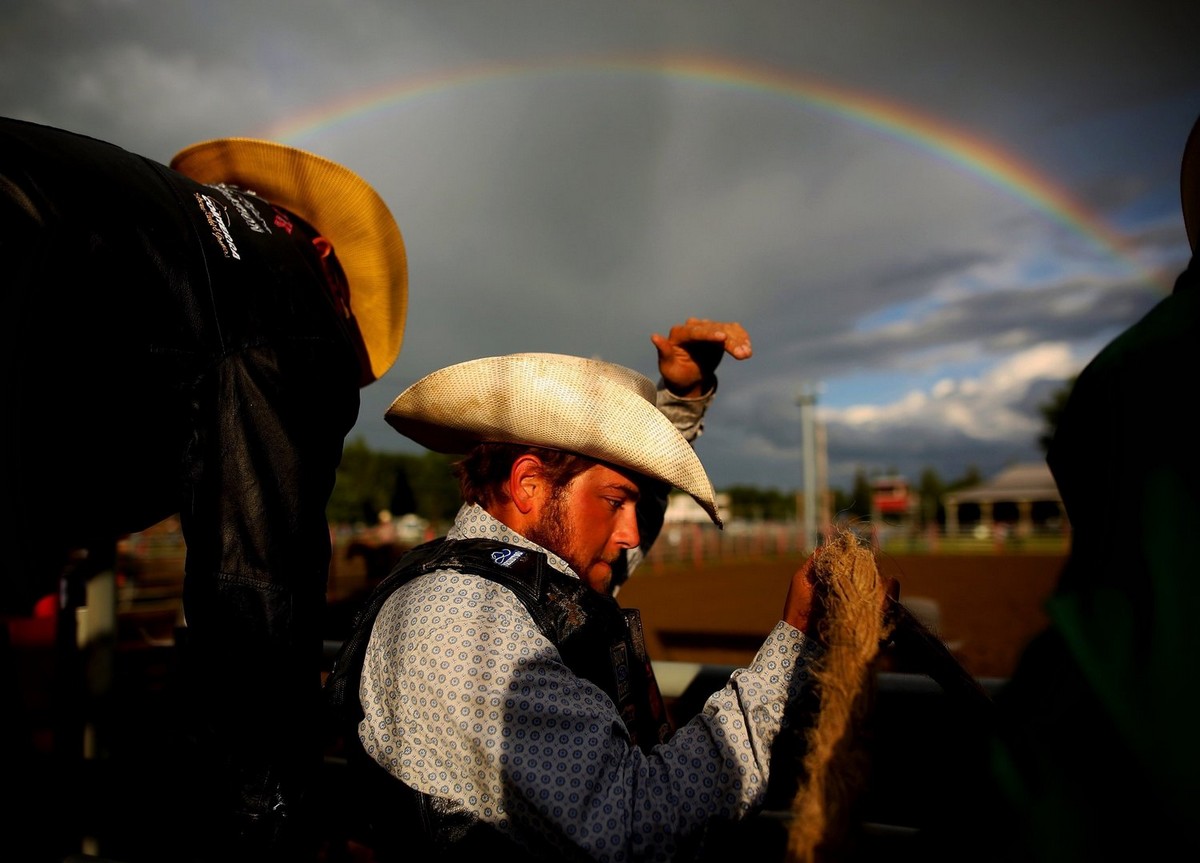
(893,501)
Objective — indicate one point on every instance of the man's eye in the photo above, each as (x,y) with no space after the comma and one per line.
(615,502)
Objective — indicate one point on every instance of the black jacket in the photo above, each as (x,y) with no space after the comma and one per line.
(170,347)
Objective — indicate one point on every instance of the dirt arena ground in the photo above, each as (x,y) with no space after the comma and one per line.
(719,611)
(988,605)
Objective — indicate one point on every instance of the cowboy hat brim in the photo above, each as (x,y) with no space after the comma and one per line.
(339,204)
(600,410)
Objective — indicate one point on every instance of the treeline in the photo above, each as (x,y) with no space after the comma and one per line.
(750,502)
(756,504)
(369,482)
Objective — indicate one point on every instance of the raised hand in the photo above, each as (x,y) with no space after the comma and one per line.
(689,354)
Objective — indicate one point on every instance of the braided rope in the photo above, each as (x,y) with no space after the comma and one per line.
(850,588)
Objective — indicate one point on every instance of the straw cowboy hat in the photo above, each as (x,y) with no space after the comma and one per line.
(1189,184)
(597,409)
(339,204)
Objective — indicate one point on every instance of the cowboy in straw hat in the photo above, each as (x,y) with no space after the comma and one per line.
(596,409)
(494,675)
(591,408)
(168,331)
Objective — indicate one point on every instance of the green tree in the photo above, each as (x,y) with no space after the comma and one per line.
(434,486)
(971,476)
(369,482)
(1052,411)
(929,490)
(756,504)
(362,488)
(861,495)
(840,502)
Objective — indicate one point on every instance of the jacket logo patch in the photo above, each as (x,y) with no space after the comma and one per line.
(507,557)
(216,222)
(246,209)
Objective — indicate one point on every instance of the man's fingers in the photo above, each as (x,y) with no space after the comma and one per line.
(731,335)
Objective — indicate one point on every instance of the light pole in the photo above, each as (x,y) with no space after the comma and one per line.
(807,400)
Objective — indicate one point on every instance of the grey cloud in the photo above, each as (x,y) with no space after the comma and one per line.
(582,208)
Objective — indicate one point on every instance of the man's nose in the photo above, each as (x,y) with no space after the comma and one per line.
(626,534)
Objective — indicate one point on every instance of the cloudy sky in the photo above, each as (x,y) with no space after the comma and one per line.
(929,213)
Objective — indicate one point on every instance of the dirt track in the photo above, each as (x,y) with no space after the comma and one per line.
(990,605)
(720,611)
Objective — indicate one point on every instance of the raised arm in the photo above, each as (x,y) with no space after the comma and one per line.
(688,356)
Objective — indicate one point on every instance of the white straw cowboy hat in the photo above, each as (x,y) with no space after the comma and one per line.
(1189,186)
(600,410)
(339,204)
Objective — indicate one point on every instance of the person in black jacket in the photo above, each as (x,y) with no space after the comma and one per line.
(192,339)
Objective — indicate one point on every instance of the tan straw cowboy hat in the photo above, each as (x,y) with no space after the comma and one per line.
(597,409)
(339,204)
(1189,186)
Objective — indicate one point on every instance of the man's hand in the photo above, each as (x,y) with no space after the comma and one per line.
(689,354)
(802,607)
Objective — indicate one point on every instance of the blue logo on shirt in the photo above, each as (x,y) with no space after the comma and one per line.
(507,557)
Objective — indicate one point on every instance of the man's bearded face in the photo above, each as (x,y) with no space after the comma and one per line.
(589,522)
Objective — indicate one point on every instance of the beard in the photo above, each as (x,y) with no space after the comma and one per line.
(552,531)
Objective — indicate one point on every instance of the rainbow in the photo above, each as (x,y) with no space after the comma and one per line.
(902,122)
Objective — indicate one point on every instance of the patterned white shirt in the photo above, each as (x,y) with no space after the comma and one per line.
(466,700)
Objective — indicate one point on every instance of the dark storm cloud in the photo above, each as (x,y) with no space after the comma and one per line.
(579,206)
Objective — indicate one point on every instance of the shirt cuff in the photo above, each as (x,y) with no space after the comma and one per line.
(787,658)
(687,415)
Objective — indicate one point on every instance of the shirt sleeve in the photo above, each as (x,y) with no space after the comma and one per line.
(685,414)
(466,701)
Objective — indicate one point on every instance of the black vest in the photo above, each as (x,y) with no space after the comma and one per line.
(597,639)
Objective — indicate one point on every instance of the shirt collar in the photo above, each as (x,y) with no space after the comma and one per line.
(474,522)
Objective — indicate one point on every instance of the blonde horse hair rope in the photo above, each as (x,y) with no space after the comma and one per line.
(851,590)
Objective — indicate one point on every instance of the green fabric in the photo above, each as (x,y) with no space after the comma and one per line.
(1092,754)
(1118,694)
(1130,594)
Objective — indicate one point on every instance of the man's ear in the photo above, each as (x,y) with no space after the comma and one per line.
(323,246)
(527,483)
